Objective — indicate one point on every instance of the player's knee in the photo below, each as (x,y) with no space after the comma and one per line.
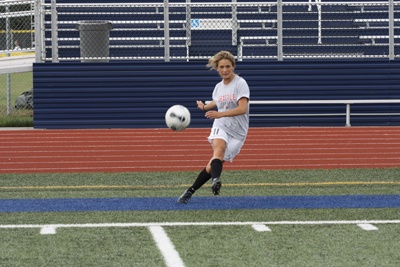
(219,152)
(216,161)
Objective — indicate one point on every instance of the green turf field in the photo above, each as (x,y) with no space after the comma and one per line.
(289,244)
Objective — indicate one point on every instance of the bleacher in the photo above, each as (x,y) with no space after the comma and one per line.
(248,30)
(137,31)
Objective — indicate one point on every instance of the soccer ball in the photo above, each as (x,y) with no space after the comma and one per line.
(177,118)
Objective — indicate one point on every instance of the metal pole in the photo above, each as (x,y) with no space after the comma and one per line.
(54,32)
(8,45)
(166,31)
(39,48)
(280,31)
(348,115)
(188,29)
(8,32)
(8,85)
(391,30)
(319,8)
(234,23)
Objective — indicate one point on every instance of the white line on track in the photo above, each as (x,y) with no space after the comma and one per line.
(371,147)
(133,162)
(206,149)
(195,167)
(258,155)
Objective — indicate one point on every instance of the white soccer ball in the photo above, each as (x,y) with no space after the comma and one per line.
(177,118)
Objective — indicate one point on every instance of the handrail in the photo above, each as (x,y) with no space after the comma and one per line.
(347,102)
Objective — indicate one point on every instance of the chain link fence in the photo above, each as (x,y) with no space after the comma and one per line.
(16,41)
(16,28)
(250,30)
(18,100)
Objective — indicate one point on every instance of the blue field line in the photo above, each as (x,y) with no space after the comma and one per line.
(199,203)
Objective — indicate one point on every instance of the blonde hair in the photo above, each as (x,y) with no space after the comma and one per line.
(213,62)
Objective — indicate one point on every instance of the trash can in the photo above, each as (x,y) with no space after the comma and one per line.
(95,40)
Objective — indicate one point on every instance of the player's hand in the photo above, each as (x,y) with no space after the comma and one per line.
(200,104)
(213,114)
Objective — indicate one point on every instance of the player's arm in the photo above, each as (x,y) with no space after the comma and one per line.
(206,107)
(239,110)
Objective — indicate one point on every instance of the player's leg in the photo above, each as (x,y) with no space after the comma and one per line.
(231,150)
(213,169)
(219,139)
(215,164)
(201,179)
(218,145)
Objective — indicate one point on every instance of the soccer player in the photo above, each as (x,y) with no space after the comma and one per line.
(231,121)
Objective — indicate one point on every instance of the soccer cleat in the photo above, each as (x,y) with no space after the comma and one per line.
(216,186)
(184,199)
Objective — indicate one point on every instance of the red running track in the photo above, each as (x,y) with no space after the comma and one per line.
(135,150)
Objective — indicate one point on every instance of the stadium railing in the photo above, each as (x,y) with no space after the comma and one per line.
(197,30)
(348,104)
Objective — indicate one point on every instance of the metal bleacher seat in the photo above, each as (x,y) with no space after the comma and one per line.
(249,31)
(132,36)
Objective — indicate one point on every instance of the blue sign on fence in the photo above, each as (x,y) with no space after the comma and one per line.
(195,23)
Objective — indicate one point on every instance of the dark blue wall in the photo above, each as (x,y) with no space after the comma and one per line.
(137,94)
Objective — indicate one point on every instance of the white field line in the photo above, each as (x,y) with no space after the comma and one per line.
(48,230)
(367,226)
(166,224)
(167,249)
(261,228)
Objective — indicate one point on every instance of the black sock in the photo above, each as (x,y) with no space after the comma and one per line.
(216,168)
(202,178)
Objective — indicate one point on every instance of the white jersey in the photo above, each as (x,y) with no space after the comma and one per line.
(226,97)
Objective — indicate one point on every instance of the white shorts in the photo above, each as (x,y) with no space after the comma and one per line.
(233,145)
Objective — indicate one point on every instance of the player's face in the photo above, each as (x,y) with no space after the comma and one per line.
(225,69)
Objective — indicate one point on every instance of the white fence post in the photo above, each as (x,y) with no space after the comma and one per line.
(391,30)
(39,30)
(54,31)
(280,30)
(166,31)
